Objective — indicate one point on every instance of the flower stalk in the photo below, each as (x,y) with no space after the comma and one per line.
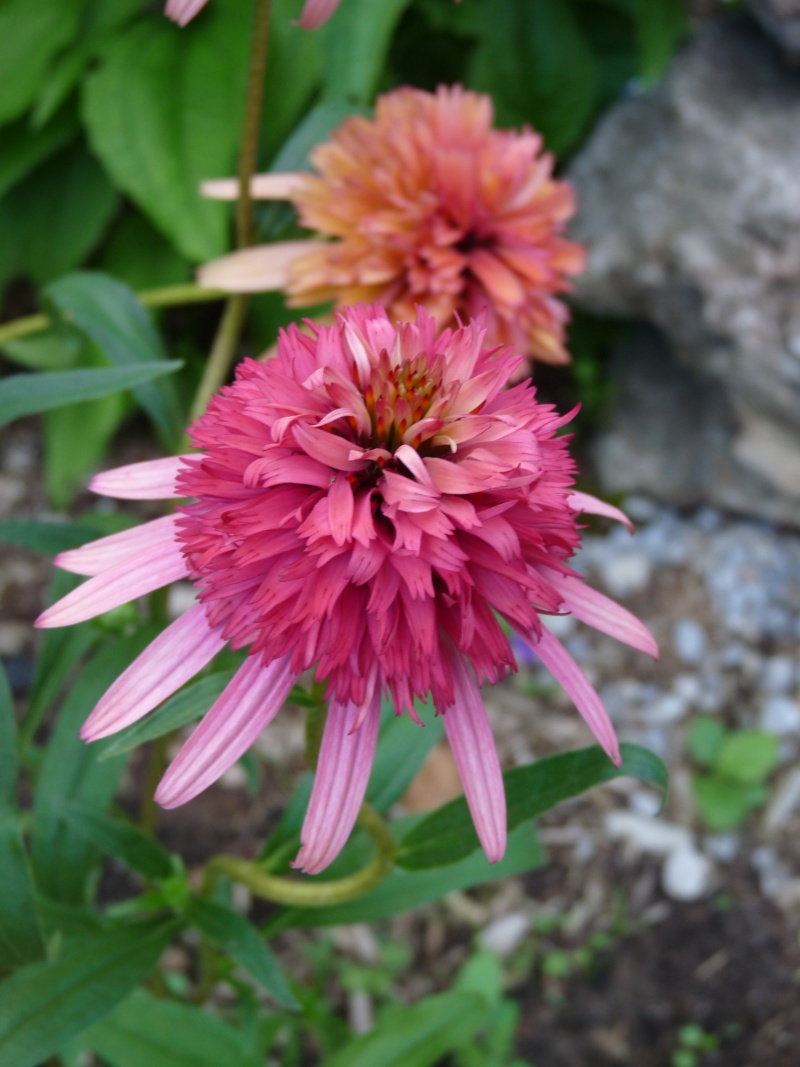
(282,890)
(229,331)
(166,296)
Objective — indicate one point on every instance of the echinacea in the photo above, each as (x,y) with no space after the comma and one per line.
(314,13)
(373,502)
(424,204)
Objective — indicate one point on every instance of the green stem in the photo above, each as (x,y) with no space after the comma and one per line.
(148,814)
(251,127)
(314,894)
(221,355)
(167,296)
(223,349)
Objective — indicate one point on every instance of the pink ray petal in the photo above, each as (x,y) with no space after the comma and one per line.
(593,506)
(152,480)
(601,612)
(98,556)
(247,705)
(577,687)
(343,769)
(262,187)
(470,736)
(315,12)
(135,577)
(183,11)
(175,656)
(255,270)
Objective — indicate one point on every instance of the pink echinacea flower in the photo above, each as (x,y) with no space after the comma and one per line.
(372,501)
(314,13)
(424,204)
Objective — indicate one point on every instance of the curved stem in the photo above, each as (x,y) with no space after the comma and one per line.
(314,894)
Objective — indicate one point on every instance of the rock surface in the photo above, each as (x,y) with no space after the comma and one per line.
(690,208)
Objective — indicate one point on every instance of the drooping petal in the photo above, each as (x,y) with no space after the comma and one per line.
(247,705)
(315,12)
(254,270)
(601,612)
(98,556)
(577,686)
(594,506)
(183,11)
(343,769)
(175,656)
(152,480)
(134,577)
(262,187)
(470,736)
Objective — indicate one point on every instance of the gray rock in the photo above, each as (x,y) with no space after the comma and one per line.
(780,715)
(690,209)
(781,20)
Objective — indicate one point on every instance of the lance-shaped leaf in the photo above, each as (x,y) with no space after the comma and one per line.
(449,835)
(108,313)
(28,394)
(239,938)
(43,1005)
(20,933)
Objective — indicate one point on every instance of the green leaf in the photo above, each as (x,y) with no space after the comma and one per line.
(660,27)
(706,736)
(186,706)
(356,42)
(74,205)
(403,747)
(8,746)
(403,890)
(137,849)
(30,36)
(416,1036)
(243,943)
(23,149)
(724,804)
(51,536)
(138,254)
(162,118)
(29,394)
(146,1032)
(48,350)
(20,933)
(43,1005)
(71,771)
(546,78)
(76,437)
(59,653)
(107,313)
(294,74)
(448,834)
(748,756)
(99,20)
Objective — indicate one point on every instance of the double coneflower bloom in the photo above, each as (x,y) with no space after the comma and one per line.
(424,204)
(373,502)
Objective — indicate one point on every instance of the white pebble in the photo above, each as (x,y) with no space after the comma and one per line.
(504,936)
(687,874)
(648,835)
(780,715)
(689,639)
(626,572)
(723,847)
(780,673)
